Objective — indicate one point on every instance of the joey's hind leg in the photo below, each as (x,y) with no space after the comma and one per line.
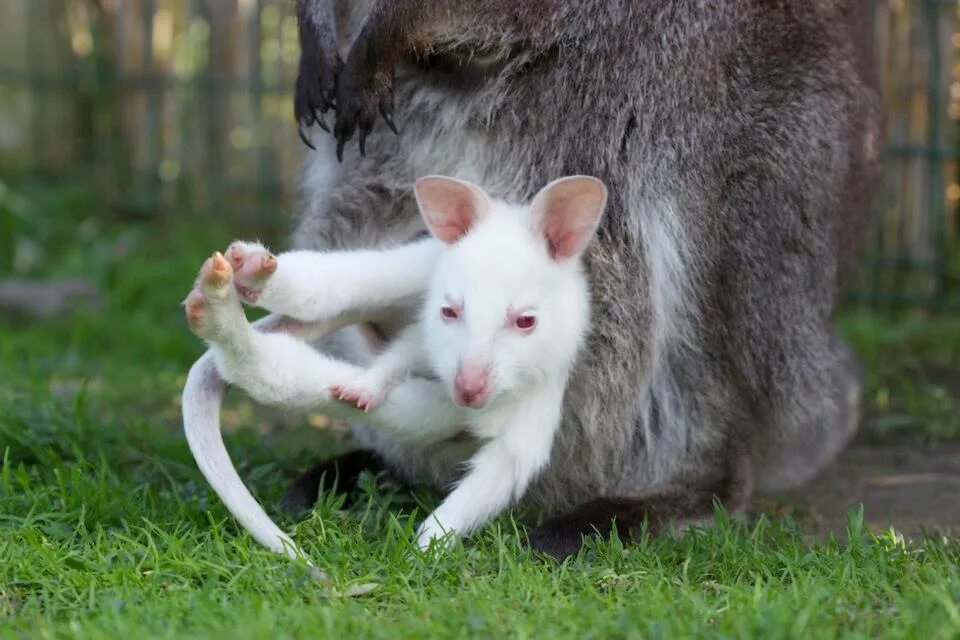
(272,367)
(213,306)
(252,266)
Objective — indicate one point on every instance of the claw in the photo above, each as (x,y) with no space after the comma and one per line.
(362,139)
(341,142)
(328,94)
(236,256)
(329,98)
(318,118)
(304,136)
(221,266)
(268,264)
(385,110)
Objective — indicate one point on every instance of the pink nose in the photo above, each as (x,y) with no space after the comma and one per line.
(472,385)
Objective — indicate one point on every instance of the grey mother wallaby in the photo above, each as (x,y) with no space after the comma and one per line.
(738,140)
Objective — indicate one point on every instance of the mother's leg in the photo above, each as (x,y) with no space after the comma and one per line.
(802,446)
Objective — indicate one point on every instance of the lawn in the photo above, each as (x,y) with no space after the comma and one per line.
(107,529)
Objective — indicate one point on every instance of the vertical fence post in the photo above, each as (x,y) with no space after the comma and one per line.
(876,204)
(256,99)
(149,88)
(35,83)
(935,195)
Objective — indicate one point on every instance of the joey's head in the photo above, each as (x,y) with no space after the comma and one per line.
(508,305)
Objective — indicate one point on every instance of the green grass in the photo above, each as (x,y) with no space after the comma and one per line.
(107,529)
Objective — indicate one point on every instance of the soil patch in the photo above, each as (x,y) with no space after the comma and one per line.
(911,488)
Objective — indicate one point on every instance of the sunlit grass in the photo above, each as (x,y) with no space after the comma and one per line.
(107,529)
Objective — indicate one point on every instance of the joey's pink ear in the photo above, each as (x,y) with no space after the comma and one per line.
(567,212)
(450,207)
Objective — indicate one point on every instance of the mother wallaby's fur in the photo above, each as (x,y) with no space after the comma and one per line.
(737,139)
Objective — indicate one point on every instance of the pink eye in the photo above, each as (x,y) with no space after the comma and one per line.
(525,322)
(449,313)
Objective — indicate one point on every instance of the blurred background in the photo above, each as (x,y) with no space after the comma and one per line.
(183,107)
(137,135)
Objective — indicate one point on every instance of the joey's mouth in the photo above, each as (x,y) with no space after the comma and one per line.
(471,402)
(473,399)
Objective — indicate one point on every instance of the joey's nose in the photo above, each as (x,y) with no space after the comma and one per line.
(471,386)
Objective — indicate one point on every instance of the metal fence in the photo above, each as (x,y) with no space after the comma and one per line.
(186,105)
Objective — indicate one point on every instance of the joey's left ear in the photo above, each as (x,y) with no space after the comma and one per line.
(567,212)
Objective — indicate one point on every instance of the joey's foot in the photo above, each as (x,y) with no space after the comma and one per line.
(360,393)
(212,307)
(252,266)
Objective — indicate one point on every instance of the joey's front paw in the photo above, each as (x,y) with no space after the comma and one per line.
(360,393)
(212,307)
(252,267)
(435,534)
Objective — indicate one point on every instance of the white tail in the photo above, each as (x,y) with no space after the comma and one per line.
(202,397)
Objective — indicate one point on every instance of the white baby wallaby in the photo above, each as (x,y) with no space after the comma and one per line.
(505,312)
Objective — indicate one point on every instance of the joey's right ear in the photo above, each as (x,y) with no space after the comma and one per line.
(566,212)
(450,207)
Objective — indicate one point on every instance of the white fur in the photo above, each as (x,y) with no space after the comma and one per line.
(664,243)
(282,369)
(519,435)
(311,285)
(502,265)
(202,396)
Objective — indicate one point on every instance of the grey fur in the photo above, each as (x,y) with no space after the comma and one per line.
(738,142)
